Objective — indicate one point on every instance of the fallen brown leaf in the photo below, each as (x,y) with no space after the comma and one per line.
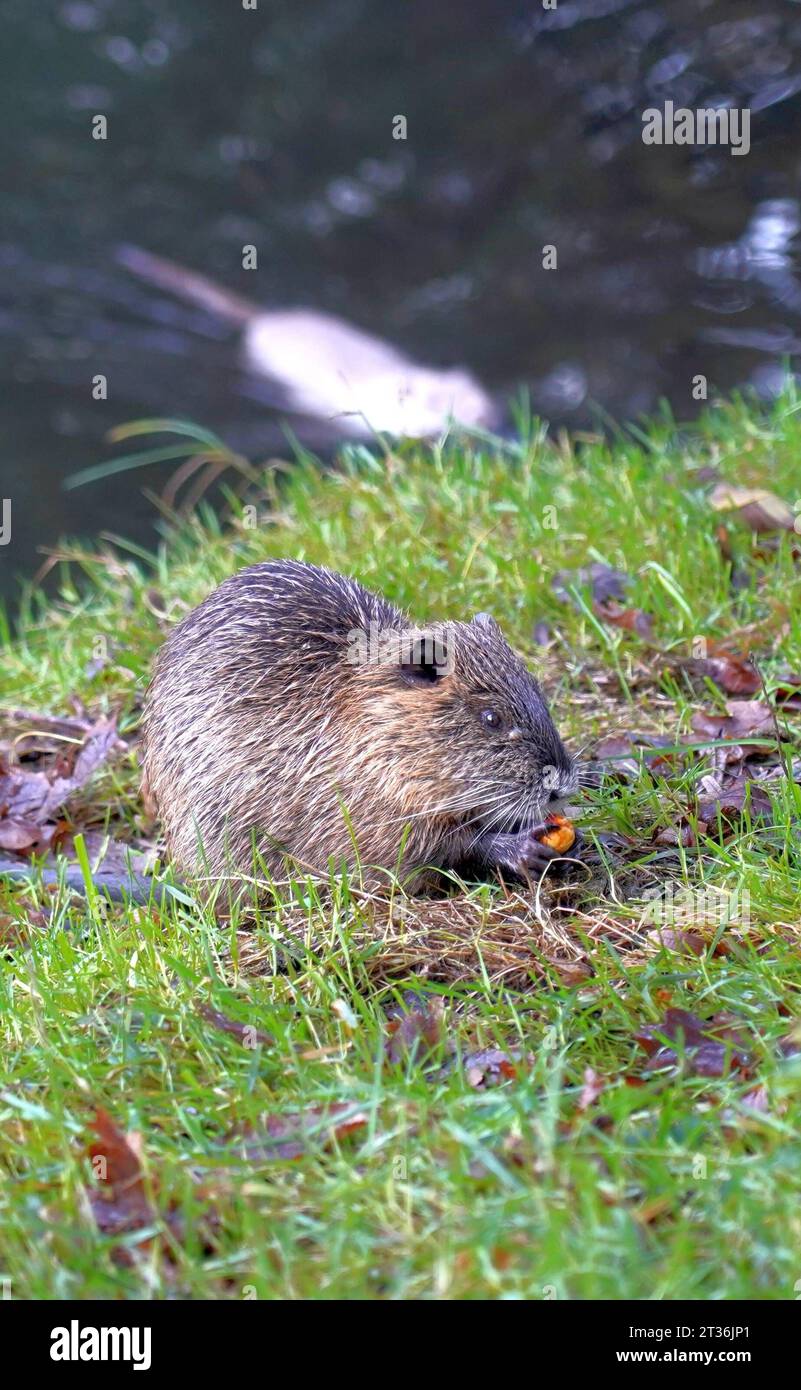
(31,800)
(757,1099)
(34,734)
(682,942)
(712,1048)
(683,834)
(760,510)
(12,933)
(790,1044)
(19,835)
(414,1031)
(624,753)
(788,694)
(570,972)
(120,1202)
(633,619)
(731,673)
(488,1067)
(246,1033)
(728,804)
(649,1212)
(743,720)
(606,583)
(296,1133)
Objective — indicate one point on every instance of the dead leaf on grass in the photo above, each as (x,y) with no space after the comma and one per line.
(790,1044)
(489,1066)
(249,1036)
(605,582)
(683,942)
(711,1048)
(12,933)
(733,674)
(414,1030)
(758,509)
(683,834)
(608,587)
(30,801)
(744,720)
(632,619)
(649,1212)
(788,694)
(119,1203)
(757,1099)
(727,806)
(291,1135)
(624,754)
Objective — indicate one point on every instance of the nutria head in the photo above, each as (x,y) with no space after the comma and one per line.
(455,706)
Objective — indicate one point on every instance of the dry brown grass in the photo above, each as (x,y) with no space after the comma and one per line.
(526,936)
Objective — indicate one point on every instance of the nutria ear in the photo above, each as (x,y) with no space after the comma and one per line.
(424,661)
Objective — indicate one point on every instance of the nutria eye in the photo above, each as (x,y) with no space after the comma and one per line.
(491,719)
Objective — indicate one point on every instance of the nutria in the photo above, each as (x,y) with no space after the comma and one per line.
(296,713)
(328,369)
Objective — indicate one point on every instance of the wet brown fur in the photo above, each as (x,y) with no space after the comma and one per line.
(260,730)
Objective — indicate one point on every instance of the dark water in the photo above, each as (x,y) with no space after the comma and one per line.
(274,128)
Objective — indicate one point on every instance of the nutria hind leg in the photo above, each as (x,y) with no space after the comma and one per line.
(519,852)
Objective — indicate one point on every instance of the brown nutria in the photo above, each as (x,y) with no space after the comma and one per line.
(295,713)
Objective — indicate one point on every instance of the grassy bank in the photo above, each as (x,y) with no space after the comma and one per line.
(459,1099)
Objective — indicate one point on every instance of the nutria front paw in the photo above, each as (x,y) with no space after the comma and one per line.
(523,854)
(528,857)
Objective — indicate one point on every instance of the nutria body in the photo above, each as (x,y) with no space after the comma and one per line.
(296,712)
(324,368)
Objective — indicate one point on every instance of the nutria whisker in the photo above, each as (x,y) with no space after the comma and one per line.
(465,803)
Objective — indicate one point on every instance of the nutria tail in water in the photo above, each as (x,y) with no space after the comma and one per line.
(187,284)
(327,368)
(298,715)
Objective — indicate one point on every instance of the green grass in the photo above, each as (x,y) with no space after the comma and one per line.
(673,1188)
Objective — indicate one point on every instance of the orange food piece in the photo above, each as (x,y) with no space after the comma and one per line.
(560,834)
